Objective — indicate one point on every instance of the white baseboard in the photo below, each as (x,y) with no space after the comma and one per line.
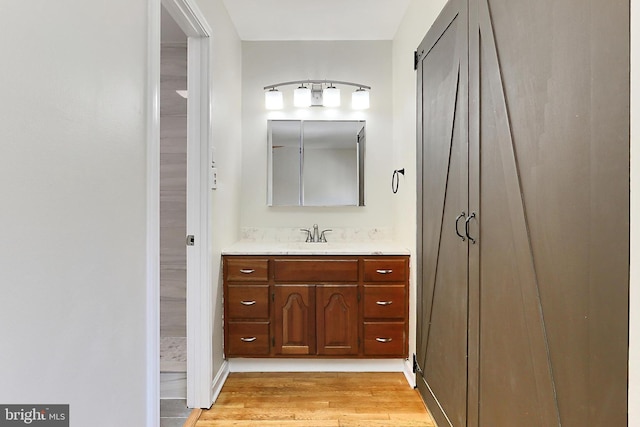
(316,365)
(218,381)
(409,374)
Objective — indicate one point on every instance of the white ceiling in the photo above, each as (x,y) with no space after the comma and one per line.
(316,19)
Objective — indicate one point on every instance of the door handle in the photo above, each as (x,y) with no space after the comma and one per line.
(384,302)
(384,340)
(462,215)
(248,302)
(466,228)
(249,339)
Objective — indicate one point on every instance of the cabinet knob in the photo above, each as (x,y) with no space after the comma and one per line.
(247,270)
(384,340)
(248,339)
(384,271)
(248,302)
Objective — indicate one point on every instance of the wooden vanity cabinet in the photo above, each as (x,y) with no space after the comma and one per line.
(316,306)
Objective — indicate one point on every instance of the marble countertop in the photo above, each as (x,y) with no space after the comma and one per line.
(377,247)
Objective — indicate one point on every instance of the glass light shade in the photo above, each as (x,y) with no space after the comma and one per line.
(360,99)
(273,100)
(302,97)
(331,97)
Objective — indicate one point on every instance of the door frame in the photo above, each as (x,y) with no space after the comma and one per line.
(199,142)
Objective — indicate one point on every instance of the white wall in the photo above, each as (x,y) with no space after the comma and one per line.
(266,63)
(418,19)
(226,123)
(73,215)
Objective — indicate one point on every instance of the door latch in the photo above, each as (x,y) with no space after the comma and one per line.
(191,240)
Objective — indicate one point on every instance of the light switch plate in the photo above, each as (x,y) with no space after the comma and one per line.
(214,178)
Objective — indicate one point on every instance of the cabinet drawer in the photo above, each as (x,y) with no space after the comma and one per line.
(247,270)
(384,338)
(248,339)
(385,270)
(386,302)
(248,302)
(315,270)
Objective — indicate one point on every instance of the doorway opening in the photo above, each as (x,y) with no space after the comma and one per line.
(173,209)
(198,306)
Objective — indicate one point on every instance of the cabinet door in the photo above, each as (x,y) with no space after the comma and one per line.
(442,312)
(295,317)
(337,319)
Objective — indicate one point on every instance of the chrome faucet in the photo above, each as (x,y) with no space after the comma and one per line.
(316,236)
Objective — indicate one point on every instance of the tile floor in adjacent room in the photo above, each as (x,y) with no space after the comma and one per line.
(173,412)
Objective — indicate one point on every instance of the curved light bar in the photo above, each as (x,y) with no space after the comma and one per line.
(316,95)
(326,82)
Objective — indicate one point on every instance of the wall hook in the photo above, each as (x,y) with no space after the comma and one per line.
(395,179)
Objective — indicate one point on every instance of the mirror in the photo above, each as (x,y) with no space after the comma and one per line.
(316,162)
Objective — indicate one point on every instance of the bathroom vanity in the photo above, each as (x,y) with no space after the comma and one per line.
(319,305)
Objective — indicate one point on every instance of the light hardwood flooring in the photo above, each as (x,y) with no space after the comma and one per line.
(313,399)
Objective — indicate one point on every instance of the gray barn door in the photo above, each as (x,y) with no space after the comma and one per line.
(548,192)
(549,161)
(442,314)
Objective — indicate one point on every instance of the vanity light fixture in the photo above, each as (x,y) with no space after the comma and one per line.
(360,99)
(302,97)
(273,99)
(316,93)
(331,96)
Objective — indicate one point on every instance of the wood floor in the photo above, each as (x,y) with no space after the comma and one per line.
(317,400)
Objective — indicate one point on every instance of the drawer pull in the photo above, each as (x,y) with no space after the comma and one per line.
(248,302)
(384,271)
(384,302)
(250,339)
(383,340)
(247,270)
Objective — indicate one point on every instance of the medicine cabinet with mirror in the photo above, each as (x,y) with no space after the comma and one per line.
(316,162)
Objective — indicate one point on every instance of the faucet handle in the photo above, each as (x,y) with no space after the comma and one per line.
(309,236)
(323,239)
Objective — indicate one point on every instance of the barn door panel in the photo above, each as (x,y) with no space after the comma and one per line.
(542,147)
(442,312)
(515,379)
